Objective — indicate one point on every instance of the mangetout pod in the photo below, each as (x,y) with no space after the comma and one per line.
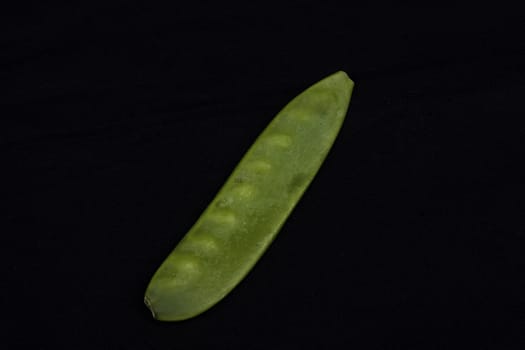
(245,216)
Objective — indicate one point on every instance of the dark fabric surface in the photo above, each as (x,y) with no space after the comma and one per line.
(119,122)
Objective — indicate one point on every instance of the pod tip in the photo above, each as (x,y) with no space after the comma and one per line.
(150,307)
(342,75)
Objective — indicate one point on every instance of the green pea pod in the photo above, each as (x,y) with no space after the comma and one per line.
(245,216)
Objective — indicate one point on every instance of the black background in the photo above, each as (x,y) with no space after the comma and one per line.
(120,122)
